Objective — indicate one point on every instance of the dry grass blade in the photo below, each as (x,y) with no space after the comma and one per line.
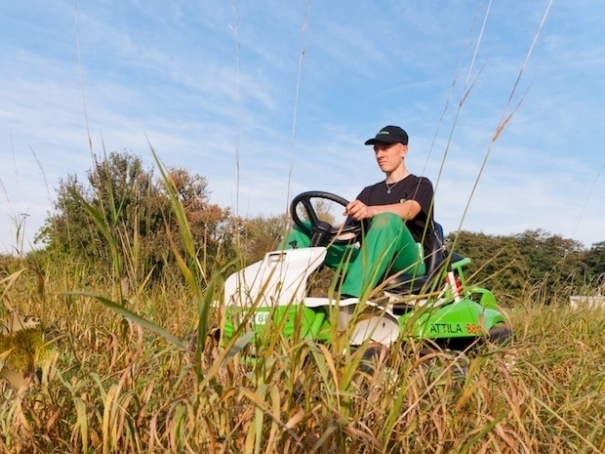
(588,443)
(81,426)
(7,283)
(273,412)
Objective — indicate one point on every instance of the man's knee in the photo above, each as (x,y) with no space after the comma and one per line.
(386,220)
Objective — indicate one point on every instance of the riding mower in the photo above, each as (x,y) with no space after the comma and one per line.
(438,309)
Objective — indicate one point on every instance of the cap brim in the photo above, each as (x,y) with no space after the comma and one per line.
(374,141)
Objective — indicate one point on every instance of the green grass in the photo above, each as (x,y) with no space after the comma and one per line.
(113,386)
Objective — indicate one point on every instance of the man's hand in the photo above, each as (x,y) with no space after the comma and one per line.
(358,210)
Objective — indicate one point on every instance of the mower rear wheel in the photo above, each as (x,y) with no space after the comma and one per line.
(500,334)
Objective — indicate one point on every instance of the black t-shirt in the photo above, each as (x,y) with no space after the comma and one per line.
(411,187)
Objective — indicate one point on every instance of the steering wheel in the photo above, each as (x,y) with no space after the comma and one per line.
(321,232)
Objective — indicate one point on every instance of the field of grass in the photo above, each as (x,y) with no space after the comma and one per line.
(107,385)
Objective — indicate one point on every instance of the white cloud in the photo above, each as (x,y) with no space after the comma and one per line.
(166,75)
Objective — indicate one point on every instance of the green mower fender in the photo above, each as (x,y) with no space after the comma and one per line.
(484,297)
(466,318)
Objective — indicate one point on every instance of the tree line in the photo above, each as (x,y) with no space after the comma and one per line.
(121,223)
(547,266)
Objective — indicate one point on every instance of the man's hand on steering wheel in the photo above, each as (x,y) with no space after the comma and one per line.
(323,233)
(358,210)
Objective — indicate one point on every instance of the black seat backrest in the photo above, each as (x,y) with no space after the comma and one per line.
(435,240)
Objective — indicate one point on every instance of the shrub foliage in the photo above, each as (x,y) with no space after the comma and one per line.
(121,219)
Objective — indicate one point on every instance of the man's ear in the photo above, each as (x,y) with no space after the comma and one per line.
(404,150)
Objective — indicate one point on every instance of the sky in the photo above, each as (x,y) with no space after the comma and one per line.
(504,103)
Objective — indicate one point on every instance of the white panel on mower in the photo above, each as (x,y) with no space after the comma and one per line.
(375,323)
(318,302)
(279,279)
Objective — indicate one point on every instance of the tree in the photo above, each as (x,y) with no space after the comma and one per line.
(553,261)
(260,235)
(123,222)
(210,225)
(496,262)
(510,265)
(595,261)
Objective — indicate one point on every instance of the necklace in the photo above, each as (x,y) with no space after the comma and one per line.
(394,184)
(390,187)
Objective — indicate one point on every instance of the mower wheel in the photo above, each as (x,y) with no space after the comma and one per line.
(500,334)
(372,356)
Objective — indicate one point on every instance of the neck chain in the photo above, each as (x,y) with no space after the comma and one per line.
(392,186)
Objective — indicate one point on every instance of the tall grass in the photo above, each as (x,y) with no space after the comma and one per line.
(126,380)
(149,377)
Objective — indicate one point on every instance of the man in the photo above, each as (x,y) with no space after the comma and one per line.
(398,213)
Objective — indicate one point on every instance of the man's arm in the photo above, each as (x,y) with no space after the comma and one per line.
(406,210)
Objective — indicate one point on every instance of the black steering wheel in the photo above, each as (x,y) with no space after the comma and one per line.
(321,232)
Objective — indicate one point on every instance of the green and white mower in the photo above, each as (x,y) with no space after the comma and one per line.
(438,308)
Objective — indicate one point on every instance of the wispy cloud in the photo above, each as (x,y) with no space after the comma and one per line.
(165,75)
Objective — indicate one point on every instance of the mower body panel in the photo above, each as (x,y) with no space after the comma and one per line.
(271,294)
(277,280)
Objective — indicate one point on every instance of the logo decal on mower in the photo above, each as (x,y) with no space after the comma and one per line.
(446,328)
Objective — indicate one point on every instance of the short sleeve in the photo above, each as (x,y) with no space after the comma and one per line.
(423,194)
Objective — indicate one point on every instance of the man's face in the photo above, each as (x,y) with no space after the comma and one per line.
(389,156)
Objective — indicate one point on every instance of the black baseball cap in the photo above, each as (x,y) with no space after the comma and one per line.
(389,134)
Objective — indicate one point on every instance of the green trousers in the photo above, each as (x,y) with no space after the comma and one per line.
(386,248)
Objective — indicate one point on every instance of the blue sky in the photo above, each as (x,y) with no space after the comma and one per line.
(288,92)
